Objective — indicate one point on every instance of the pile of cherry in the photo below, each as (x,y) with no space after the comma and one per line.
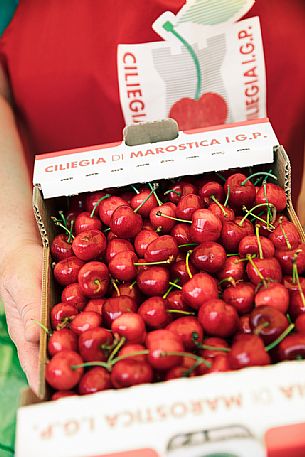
(174,279)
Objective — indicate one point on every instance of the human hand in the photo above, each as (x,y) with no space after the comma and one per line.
(20,290)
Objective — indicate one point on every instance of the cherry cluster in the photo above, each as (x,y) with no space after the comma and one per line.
(206,280)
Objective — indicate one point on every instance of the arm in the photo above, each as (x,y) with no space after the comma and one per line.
(20,245)
(301,199)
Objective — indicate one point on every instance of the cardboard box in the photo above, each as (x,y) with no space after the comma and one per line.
(198,416)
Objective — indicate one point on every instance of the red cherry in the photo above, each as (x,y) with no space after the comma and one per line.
(161,342)
(285,258)
(213,342)
(181,233)
(199,289)
(154,312)
(175,301)
(125,223)
(146,208)
(209,256)
(132,348)
(187,206)
(249,245)
(223,212)
(130,372)
(162,248)
(240,296)
(210,109)
(272,193)
(248,351)
(94,344)
(115,246)
(268,268)
(130,326)
(241,193)
(212,189)
(185,327)
(244,325)
(84,321)
(285,236)
(108,206)
(131,290)
(62,340)
(218,318)
(180,190)
(205,226)
(268,323)
(233,232)
(84,222)
(59,373)
(62,312)
(61,248)
(94,380)
(153,281)
(143,239)
(73,295)
(66,270)
(89,244)
(115,307)
(62,394)
(296,305)
(177,373)
(273,294)
(92,201)
(95,304)
(179,271)
(122,267)
(233,269)
(93,279)
(162,222)
(291,348)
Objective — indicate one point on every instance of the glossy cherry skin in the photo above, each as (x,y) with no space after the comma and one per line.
(153,281)
(291,348)
(130,326)
(182,188)
(107,208)
(85,222)
(214,342)
(115,307)
(285,258)
(199,289)
(269,269)
(249,245)
(62,394)
(143,239)
(217,318)
(133,348)
(162,248)
(285,236)
(300,324)
(241,296)
(233,232)
(233,268)
(61,248)
(62,340)
(59,373)
(77,202)
(275,295)
(175,301)
(187,206)
(248,351)
(95,304)
(205,226)
(146,208)
(209,256)
(224,213)
(115,246)
(93,279)
(89,245)
(178,372)
(94,380)
(240,194)
(244,325)
(209,189)
(92,201)
(276,322)
(154,312)
(181,233)
(161,342)
(272,193)
(84,321)
(94,344)
(131,290)
(66,270)
(73,295)
(185,327)
(130,372)
(122,267)
(178,271)
(125,223)
(61,312)
(296,305)
(161,222)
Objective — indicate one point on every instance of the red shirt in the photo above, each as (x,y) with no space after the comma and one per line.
(61,61)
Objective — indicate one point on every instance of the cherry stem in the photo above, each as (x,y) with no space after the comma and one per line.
(220,176)
(269,214)
(127,356)
(260,179)
(64,323)
(259,274)
(187,265)
(229,279)
(260,327)
(160,262)
(106,230)
(232,255)
(108,365)
(47,331)
(170,288)
(98,202)
(259,173)
(260,250)
(190,370)
(172,190)
(224,212)
(132,284)
(174,285)
(284,233)
(135,189)
(113,282)
(187,245)
(213,348)
(153,187)
(159,213)
(227,197)
(180,311)
(187,354)
(143,202)
(116,349)
(250,211)
(280,338)
(59,224)
(295,276)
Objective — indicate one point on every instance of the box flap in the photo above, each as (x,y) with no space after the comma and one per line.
(194,152)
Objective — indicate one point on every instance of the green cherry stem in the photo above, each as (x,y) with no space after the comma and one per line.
(260,250)
(187,265)
(159,213)
(213,348)
(259,173)
(260,327)
(121,342)
(180,311)
(108,365)
(295,276)
(134,189)
(170,288)
(187,245)
(144,201)
(172,190)
(159,262)
(227,197)
(174,285)
(250,212)
(43,327)
(98,202)
(284,233)
(153,187)
(229,279)
(280,338)
(259,274)
(187,354)
(224,212)
(113,282)
(59,224)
